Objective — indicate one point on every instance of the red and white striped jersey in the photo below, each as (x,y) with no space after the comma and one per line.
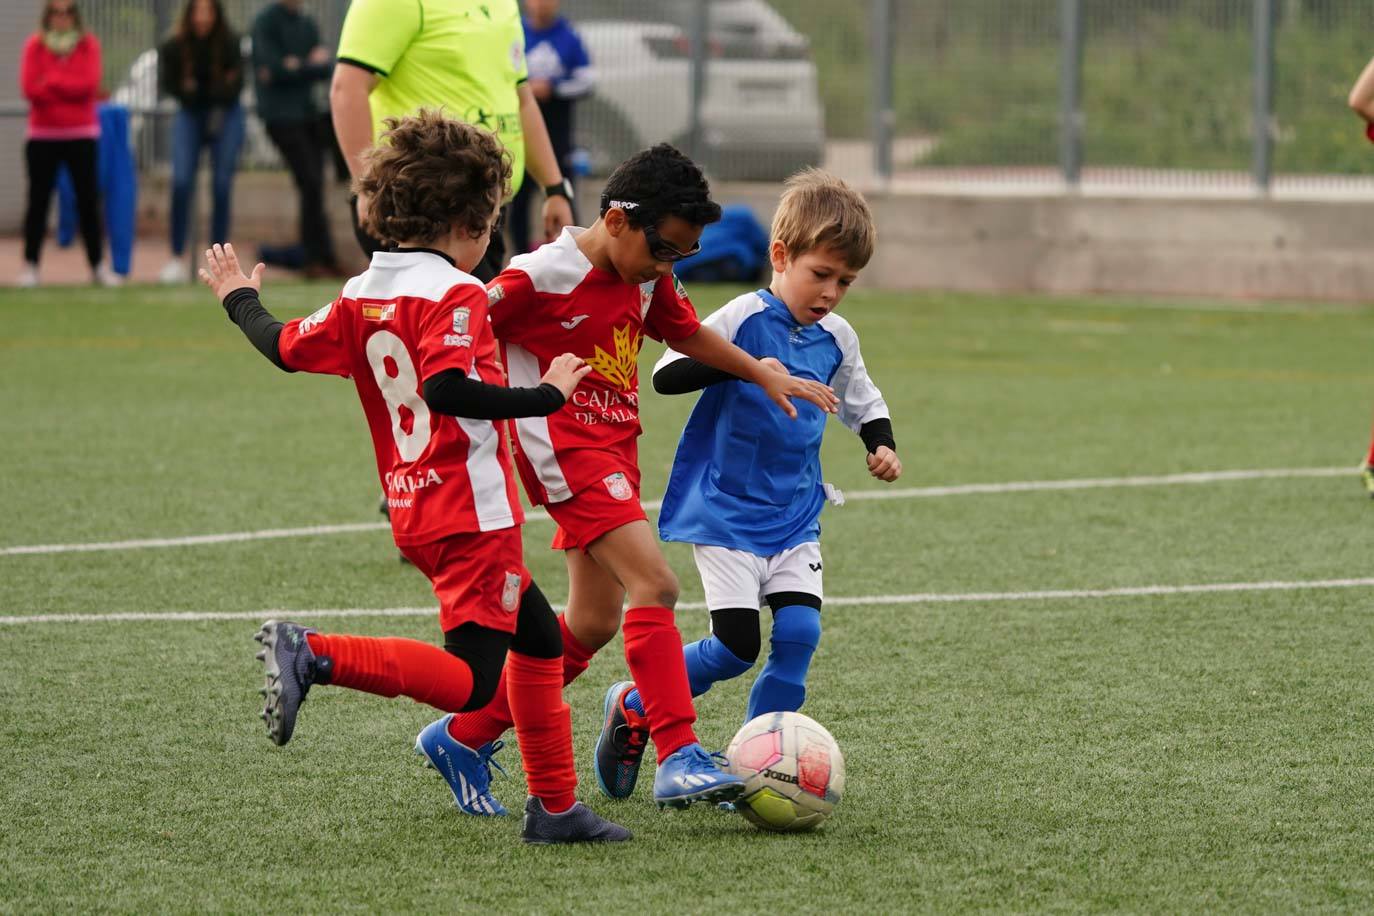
(411,315)
(553,301)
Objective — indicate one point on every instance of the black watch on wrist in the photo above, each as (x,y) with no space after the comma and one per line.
(563,189)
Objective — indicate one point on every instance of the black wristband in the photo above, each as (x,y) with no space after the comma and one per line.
(877,433)
(564,188)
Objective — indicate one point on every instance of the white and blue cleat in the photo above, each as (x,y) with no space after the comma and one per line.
(467,771)
(692,775)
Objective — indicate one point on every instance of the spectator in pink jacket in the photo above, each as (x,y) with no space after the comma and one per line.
(59,74)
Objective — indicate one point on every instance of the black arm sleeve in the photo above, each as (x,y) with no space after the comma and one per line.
(877,432)
(685,375)
(453,393)
(257,323)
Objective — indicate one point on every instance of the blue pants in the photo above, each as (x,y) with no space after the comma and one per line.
(221,129)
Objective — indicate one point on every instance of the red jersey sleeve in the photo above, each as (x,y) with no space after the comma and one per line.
(318,342)
(511,300)
(671,316)
(450,330)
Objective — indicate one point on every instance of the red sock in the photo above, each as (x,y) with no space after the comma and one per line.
(476,728)
(1369,459)
(653,649)
(395,667)
(543,727)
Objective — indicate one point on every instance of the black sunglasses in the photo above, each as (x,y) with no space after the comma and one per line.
(658,248)
(662,251)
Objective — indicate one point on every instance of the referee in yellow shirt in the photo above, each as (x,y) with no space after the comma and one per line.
(464,56)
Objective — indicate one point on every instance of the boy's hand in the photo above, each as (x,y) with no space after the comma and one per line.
(782,388)
(884,464)
(223,275)
(565,372)
(773,364)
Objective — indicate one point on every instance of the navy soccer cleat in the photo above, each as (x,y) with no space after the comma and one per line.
(691,775)
(467,772)
(579,824)
(289,668)
(620,746)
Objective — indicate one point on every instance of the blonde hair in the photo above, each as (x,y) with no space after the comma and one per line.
(818,210)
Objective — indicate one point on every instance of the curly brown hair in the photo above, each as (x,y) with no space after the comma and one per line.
(431,173)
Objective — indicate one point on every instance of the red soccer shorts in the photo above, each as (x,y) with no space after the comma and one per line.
(477,576)
(600,508)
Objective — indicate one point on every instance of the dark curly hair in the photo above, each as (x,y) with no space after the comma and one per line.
(429,173)
(660,182)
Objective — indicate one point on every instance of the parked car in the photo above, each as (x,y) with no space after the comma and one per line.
(761,116)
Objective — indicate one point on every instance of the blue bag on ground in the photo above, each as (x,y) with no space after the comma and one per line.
(734,250)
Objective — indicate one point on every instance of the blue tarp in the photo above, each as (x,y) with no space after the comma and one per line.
(118,190)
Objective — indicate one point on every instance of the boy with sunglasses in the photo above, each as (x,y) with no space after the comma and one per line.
(596,292)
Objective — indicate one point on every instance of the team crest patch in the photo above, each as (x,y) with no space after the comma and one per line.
(315,319)
(510,595)
(460,319)
(646,298)
(619,486)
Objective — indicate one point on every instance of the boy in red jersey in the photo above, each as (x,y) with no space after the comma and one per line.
(412,333)
(596,292)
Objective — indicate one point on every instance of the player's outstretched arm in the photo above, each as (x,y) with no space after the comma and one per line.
(239,296)
(683,376)
(451,392)
(708,347)
(1361,99)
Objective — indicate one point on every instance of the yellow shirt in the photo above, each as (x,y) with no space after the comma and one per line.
(464,56)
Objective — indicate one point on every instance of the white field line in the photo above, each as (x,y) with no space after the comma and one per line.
(1024,486)
(851,601)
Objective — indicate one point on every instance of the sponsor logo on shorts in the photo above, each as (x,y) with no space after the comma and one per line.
(619,486)
(460,319)
(815,567)
(510,595)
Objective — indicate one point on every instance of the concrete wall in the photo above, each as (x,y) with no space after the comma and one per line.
(1231,248)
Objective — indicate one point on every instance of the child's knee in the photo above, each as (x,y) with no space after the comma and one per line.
(655,587)
(797,626)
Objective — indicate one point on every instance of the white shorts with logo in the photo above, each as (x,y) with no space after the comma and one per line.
(739,579)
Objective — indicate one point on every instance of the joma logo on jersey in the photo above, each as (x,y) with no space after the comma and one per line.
(380,312)
(461,317)
(315,319)
(409,483)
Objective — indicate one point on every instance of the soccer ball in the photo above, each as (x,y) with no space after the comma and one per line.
(792,769)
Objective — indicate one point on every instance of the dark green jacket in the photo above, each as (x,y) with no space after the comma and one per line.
(286,93)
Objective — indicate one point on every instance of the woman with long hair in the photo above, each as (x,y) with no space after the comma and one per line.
(59,74)
(201,67)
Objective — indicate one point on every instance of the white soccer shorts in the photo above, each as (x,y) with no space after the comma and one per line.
(739,579)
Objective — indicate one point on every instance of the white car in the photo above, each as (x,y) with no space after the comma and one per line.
(761,116)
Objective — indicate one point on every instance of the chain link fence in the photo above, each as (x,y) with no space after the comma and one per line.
(1192,96)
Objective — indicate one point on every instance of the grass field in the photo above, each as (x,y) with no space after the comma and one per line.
(1181,751)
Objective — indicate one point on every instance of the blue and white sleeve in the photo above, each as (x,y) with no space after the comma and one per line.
(860,400)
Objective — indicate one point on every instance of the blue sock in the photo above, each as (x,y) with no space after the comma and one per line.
(781,685)
(708,661)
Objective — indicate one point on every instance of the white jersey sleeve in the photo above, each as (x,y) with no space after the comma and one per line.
(725,321)
(860,399)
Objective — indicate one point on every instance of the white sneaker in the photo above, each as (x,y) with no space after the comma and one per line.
(106,277)
(174,272)
(28,277)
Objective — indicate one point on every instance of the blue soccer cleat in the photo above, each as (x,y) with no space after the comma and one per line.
(579,824)
(289,668)
(690,775)
(467,772)
(620,746)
